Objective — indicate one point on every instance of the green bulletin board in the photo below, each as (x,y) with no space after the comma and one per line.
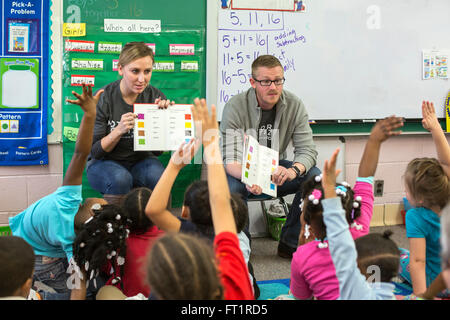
(94,52)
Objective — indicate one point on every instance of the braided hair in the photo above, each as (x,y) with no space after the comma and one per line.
(102,239)
(182,266)
(312,211)
(133,206)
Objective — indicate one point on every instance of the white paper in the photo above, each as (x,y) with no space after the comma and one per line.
(258,165)
(19,34)
(162,129)
(435,64)
(263,4)
(130,25)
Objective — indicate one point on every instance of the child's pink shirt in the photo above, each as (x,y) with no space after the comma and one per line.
(313,273)
(312,269)
(362,225)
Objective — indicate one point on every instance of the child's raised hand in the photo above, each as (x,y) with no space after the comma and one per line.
(209,125)
(209,130)
(429,119)
(86,101)
(329,175)
(386,127)
(183,156)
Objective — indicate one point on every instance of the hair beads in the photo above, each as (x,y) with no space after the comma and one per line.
(102,241)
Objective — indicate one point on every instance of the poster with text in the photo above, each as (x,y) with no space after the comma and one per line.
(24,52)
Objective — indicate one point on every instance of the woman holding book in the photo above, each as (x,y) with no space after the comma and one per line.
(113,167)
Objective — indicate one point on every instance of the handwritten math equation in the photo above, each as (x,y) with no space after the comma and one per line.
(245,35)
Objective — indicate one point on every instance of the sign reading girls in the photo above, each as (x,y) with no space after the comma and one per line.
(24,82)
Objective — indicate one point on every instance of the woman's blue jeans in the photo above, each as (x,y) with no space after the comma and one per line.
(112,177)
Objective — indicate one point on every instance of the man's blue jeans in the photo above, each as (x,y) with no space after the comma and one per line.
(112,177)
(291,229)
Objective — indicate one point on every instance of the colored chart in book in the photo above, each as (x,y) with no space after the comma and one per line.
(258,165)
(162,129)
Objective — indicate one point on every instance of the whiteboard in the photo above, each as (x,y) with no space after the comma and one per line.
(353,59)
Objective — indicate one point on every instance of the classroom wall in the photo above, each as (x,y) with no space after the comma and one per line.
(21,186)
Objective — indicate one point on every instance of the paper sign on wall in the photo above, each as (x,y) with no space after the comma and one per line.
(181,49)
(79,45)
(189,66)
(279,5)
(435,64)
(109,47)
(19,33)
(78,80)
(129,25)
(74,29)
(164,66)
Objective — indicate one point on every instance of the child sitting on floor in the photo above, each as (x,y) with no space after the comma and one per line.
(364,267)
(48,225)
(182,266)
(99,249)
(143,233)
(312,270)
(445,245)
(196,211)
(428,190)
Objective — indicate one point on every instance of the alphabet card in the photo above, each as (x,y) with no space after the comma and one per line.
(162,129)
(258,165)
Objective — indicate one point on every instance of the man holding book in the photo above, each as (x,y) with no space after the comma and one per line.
(274,117)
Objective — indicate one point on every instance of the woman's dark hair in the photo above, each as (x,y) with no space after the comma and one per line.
(102,239)
(133,205)
(312,212)
(378,250)
(182,267)
(196,198)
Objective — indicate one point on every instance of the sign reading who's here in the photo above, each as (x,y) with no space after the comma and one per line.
(131,25)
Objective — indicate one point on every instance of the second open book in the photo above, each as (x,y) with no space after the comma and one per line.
(258,164)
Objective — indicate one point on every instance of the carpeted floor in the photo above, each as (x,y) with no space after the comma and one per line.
(268,265)
(270,289)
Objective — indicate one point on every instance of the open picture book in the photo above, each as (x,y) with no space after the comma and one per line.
(258,164)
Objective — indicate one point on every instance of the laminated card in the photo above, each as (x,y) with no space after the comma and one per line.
(258,165)
(162,129)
